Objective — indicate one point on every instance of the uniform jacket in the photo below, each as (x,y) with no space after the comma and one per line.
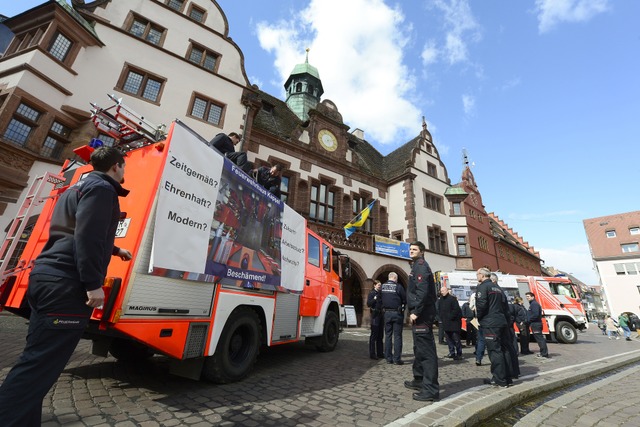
(222,143)
(269,182)
(393,296)
(374,302)
(521,314)
(492,307)
(535,312)
(422,292)
(82,231)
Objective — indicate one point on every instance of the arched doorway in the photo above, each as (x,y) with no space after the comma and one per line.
(353,293)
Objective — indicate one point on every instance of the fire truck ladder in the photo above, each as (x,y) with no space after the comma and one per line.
(34,198)
(124,124)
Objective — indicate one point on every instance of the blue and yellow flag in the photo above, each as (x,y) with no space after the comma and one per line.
(359,220)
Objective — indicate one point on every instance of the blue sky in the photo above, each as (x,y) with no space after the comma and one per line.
(543,94)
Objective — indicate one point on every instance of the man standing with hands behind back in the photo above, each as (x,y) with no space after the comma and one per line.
(422,313)
(65,285)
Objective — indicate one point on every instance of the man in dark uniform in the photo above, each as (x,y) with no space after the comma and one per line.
(522,320)
(65,285)
(451,322)
(422,313)
(394,299)
(269,178)
(535,320)
(225,144)
(374,302)
(493,313)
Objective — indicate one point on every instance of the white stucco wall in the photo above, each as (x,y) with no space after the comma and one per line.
(622,291)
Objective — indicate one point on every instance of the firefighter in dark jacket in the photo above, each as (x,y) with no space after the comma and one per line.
(374,302)
(522,321)
(535,320)
(422,313)
(394,299)
(65,285)
(493,314)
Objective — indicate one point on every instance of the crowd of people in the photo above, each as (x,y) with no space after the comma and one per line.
(490,319)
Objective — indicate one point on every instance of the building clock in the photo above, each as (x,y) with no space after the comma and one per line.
(327,140)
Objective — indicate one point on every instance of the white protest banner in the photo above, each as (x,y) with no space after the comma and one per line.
(186,201)
(293,250)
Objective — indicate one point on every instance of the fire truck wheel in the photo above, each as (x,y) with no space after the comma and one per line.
(129,351)
(329,338)
(566,333)
(237,349)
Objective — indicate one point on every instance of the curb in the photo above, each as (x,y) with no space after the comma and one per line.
(480,403)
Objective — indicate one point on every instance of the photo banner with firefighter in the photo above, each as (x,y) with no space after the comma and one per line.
(214,223)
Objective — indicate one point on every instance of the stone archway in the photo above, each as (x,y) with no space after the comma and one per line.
(353,293)
(382,274)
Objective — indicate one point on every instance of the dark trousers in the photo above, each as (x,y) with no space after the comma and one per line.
(375,339)
(58,319)
(536,329)
(393,322)
(472,333)
(512,347)
(496,340)
(480,345)
(240,160)
(425,363)
(454,343)
(524,338)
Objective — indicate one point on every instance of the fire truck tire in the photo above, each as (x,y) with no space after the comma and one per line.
(237,349)
(329,339)
(129,351)
(566,333)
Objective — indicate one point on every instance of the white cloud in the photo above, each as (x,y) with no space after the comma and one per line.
(430,53)
(511,84)
(460,25)
(574,259)
(359,55)
(468,104)
(552,12)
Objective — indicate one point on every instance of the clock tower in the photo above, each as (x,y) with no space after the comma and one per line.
(304,89)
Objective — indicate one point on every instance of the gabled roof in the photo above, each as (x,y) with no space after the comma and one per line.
(505,232)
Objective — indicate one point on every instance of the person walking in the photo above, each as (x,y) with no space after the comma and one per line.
(522,321)
(493,313)
(374,302)
(65,285)
(422,314)
(451,316)
(535,320)
(394,299)
(612,329)
(623,322)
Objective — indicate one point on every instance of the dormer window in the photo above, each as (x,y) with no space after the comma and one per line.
(60,46)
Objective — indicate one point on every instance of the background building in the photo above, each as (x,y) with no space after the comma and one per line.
(614,242)
(173,59)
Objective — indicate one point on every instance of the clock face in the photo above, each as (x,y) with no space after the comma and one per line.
(327,140)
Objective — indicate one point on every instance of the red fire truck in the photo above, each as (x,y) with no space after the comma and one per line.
(558,296)
(220,266)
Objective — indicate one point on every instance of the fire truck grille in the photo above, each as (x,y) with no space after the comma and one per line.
(196,340)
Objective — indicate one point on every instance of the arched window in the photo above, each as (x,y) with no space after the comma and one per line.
(298,87)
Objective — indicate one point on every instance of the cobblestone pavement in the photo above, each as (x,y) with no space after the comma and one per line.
(292,385)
